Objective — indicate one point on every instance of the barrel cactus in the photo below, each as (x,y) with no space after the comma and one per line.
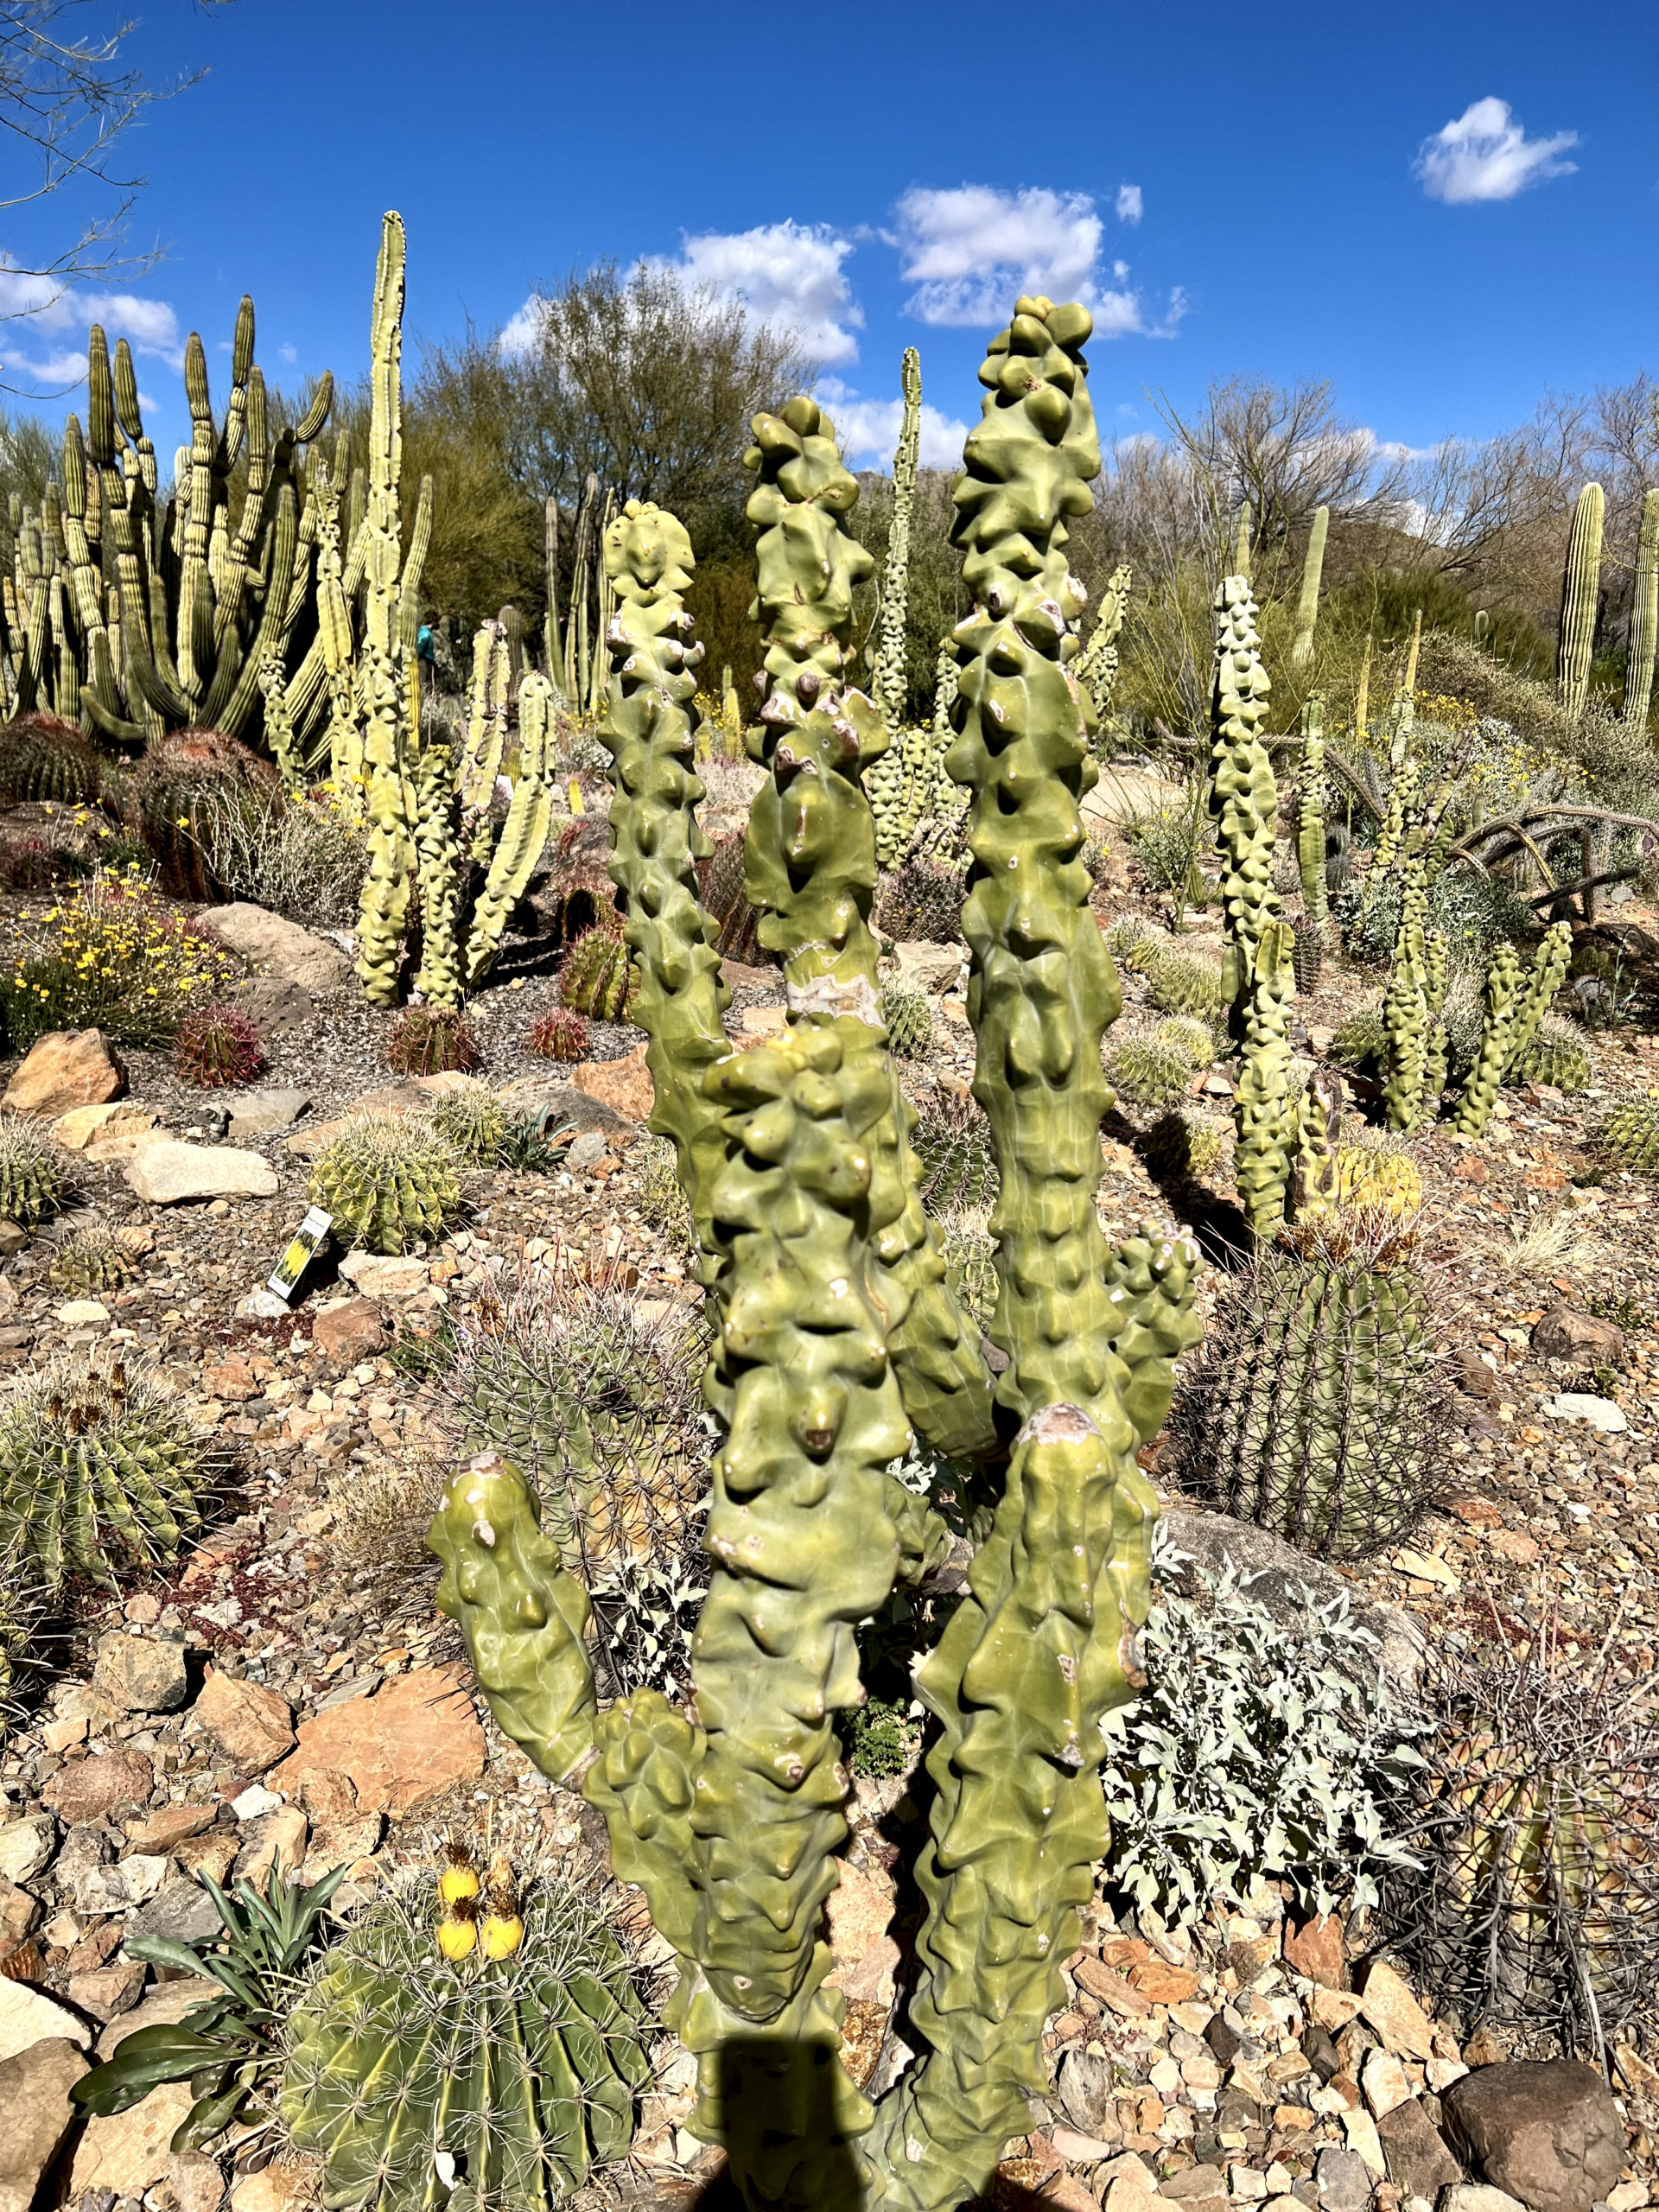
(1195,1041)
(389,1185)
(432,1040)
(32,1180)
(1148,1070)
(1360,1039)
(560,1035)
(1556,1055)
(1379,1177)
(920,901)
(99,1471)
(1630,1137)
(425,2079)
(1184,1146)
(474,1120)
(217,1048)
(93,1259)
(1316,1408)
(599,979)
(43,758)
(1176,984)
(907,1018)
(953,1147)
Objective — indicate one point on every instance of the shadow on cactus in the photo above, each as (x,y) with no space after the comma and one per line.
(598,1400)
(480,2048)
(100,1472)
(432,1040)
(228,2047)
(1535,1902)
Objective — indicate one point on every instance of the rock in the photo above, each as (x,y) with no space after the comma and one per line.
(263,1306)
(273,1008)
(1088,2091)
(275,2187)
(624,1085)
(1472,2196)
(1414,2152)
(1546,2130)
(1383,2080)
(168,1827)
(127,2151)
(251,1725)
(1363,2140)
(105,1991)
(586,1150)
(349,1331)
(564,1107)
(1314,1950)
(65,1069)
(180,1910)
(263,1113)
(1578,1405)
(1281,1573)
(82,1313)
(389,1752)
(35,2086)
(168,1174)
(1387,2005)
(1474,1378)
(28,2015)
(866,1956)
(928,967)
(1581,1339)
(140,1674)
(255,1801)
(1081,2150)
(1344,2181)
(410,1093)
(380,1274)
(87,1125)
(99,1789)
(278,1836)
(196,2181)
(163,2008)
(277,947)
(26,1846)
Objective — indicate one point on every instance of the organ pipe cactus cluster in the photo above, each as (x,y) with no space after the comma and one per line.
(1580,593)
(730,1822)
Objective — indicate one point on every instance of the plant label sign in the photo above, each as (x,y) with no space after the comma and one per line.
(300,1252)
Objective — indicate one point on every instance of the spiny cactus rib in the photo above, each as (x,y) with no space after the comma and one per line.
(1031,1658)
(1644,614)
(656,841)
(1310,814)
(809,868)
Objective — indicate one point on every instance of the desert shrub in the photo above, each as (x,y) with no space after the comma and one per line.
(1255,1752)
(301,857)
(112,956)
(881,1739)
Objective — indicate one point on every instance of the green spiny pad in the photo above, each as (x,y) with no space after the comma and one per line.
(656,841)
(522,2071)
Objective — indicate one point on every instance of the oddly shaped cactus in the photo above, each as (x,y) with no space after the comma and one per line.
(1097,664)
(522,2070)
(1310,811)
(33,1183)
(891,772)
(1550,966)
(809,868)
(388,1184)
(1630,1136)
(1500,1000)
(656,839)
(98,1471)
(1243,796)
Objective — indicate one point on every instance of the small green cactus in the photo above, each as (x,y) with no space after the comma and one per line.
(1360,1040)
(1548,973)
(389,1184)
(1184,1146)
(907,1018)
(662,1202)
(599,978)
(1556,1055)
(217,1048)
(1630,1137)
(32,1180)
(474,1120)
(969,1255)
(423,2081)
(921,902)
(560,1035)
(93,1259)
(1134,946)
(1177,984)
(99,1471)
(1195,1039)
(432,1040)
(1148,1070)
(953,1150)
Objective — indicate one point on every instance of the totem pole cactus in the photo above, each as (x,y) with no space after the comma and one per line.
(1550,966)
(730,1822)
(810,871)
(1405,1009)
(888,774)
(1310,811)
(656,843)
(1307,604)
(1645,615)
(1501,997)
(1097,666)
(1580,596)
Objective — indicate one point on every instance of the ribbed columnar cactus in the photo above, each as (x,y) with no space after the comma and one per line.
(1310,810)
(1390,836)
(809,869)
(1036,1652)
(1307,603)
(1501,997)
(1098,665)
(1644,614)
(1406,1010)
(655,840)
(1580,596)
(1550,966)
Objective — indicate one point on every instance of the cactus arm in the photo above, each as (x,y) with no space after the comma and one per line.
(1502,992)
(1098,667)
(524,1619)
(810,868)
(229,703)
(1581,592)
(438,849)
(656,841)
(1033,1656)
(523,834)
(1307,604)
(1309,812)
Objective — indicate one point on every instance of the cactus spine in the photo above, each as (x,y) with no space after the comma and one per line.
(656,841)
(888,773)
(1310,811)
(1307,604)
(1645,615)
(1580,593)
(810,868)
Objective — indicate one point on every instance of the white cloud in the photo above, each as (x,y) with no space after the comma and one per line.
(866,430)
(1484,154)
(519,333)
(289,353)
(35,305)
(971,250)
(1131,203)
(788,275)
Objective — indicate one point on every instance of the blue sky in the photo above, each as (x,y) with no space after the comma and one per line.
(1445,210)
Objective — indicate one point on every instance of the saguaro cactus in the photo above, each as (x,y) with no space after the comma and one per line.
(1581,592)
(1644,614)
(1307,604)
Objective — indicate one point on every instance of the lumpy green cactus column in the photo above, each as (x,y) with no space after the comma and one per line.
(1036,1652)
(809,869)
(1097,666)
(656,841)
(1580,593)
(1503,994)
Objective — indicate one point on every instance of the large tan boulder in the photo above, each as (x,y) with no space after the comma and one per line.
(65,1069)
